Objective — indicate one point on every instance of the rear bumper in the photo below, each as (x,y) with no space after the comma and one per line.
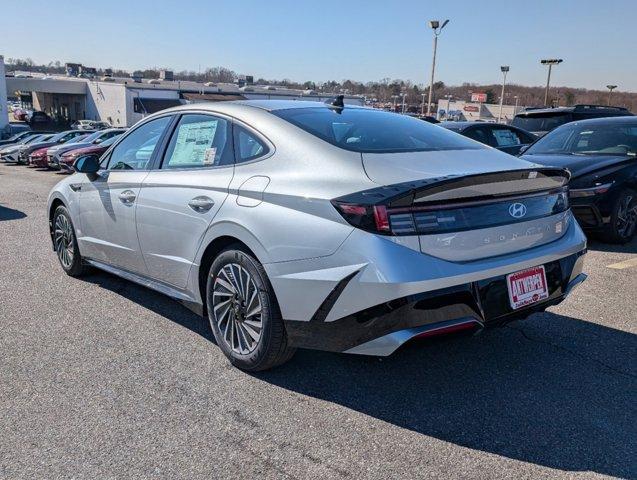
(381,329)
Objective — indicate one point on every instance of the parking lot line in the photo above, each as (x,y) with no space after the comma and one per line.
(625,264)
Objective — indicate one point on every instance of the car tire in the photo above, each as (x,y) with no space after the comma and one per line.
(243,312)
(65,243)
(623,220)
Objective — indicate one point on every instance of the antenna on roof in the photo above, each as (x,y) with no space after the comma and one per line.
(336,102)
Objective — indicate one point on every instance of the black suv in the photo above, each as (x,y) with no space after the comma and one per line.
(540,121)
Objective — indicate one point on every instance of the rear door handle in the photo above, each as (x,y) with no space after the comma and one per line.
(201,204)
(127,196)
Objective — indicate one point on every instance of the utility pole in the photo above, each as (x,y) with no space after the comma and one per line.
(610,91)
(504,69)
(550,62)
(437,28)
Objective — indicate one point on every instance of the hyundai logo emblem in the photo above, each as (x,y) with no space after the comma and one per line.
(517,210)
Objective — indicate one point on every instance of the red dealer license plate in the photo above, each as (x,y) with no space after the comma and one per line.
(527,287)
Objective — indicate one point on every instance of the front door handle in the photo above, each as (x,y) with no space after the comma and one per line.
(127,197)
(201,204)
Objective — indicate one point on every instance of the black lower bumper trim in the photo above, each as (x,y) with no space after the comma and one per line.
(486,301)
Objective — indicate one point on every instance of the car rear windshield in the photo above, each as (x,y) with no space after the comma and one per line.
(586,139)
(542,122)
(374,131)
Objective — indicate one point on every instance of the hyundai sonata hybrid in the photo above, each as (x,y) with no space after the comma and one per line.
(329,226)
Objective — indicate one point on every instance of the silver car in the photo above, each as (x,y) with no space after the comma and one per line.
(301,224)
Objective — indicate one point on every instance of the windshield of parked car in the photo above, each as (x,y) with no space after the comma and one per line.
(585,139)
(541,122)
(109,141)
(374,131)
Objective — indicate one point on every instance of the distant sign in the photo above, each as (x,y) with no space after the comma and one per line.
(479,97)
(471,108)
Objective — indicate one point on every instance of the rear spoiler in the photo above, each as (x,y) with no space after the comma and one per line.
(452,188)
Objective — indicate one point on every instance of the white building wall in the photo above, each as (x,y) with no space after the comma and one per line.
(133,117)
(107,102)
(4,109)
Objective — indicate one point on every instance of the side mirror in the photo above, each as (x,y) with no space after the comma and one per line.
(523,149)
(87,164)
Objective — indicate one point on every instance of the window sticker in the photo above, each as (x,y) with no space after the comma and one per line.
(193,144)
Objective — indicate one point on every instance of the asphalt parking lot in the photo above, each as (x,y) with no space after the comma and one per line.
(101,378)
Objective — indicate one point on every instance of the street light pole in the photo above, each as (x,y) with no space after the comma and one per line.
(437,28)
(403,108)
(504,69)
(610,91)
(422,108)
(550,62)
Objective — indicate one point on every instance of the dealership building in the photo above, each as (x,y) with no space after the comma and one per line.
(124,101)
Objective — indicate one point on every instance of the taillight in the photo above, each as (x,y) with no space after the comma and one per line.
(451,216)
(372,218)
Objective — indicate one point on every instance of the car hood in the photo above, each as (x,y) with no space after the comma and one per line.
(67,146)
(36,146)
(578,164)
(390,168)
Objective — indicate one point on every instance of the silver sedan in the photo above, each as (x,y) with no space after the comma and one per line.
(329,226)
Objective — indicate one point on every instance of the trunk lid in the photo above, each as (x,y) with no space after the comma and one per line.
(390,168)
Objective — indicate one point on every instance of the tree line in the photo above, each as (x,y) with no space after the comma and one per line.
(385,90)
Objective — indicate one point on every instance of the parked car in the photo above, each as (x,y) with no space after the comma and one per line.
(540,121)
(601,155)
(327,226)
(38,119)
(54,153)
(67,159)
(26,150)
(11,153)
(15,138)
(503,137)
(12,129)
(38,158)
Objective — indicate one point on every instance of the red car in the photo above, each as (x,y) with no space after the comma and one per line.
(68,158)
(38,158)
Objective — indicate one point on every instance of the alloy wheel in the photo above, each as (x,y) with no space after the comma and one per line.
(63,240)
(627,217)
(237,308)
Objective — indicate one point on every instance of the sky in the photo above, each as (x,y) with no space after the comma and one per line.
(329,39)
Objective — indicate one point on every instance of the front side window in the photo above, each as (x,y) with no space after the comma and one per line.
(248,145)
(482,135)
(374,131)
(199,141)
(135,151)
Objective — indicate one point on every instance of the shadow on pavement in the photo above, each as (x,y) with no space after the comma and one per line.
(550,390)
(7,213)
(503,392)
(630,247)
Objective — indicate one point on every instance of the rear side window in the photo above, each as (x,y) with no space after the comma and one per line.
(482,135)
(248,145)
(374,131)
(136,149)
(199,141)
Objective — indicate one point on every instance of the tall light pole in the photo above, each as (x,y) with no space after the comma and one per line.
(403,108)
(550,62)
(504,69)
(437,28)
(610,91)
(422,108)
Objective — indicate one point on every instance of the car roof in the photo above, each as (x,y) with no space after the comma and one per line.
(626,119)
(267,105)
(595,109)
